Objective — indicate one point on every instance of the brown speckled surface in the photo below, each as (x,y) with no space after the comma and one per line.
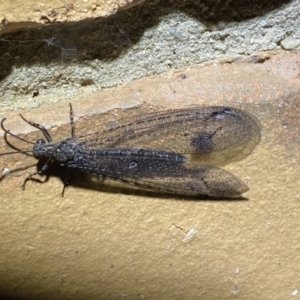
(24,14)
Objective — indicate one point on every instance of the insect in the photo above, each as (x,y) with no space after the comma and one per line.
(151,150)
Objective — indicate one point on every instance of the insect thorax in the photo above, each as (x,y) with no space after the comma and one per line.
(61,152)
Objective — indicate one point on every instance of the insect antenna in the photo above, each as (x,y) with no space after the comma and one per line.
(72,121)
(40,127)
(26,152)
(7,132)
(15,136)
(15,170)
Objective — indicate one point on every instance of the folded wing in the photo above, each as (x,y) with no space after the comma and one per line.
(165,175)
(193,130)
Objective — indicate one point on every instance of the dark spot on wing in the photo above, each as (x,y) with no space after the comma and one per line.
(203,142)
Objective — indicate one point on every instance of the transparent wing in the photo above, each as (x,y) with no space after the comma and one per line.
(164,176)
(193,130)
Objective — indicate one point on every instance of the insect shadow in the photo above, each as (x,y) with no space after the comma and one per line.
(151,151)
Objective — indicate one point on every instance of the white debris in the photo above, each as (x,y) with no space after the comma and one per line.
(295,292)
(189,235)
(6,171)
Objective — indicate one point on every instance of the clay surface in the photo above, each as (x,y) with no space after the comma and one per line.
(102,242)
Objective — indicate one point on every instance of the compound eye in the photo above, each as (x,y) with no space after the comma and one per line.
(40,142)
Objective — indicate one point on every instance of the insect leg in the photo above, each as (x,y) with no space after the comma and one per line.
(30,177)
(66,183)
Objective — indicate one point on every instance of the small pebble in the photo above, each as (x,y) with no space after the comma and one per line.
(290,43)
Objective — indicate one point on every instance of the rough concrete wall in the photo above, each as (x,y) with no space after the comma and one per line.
(107,241)
(63,60)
